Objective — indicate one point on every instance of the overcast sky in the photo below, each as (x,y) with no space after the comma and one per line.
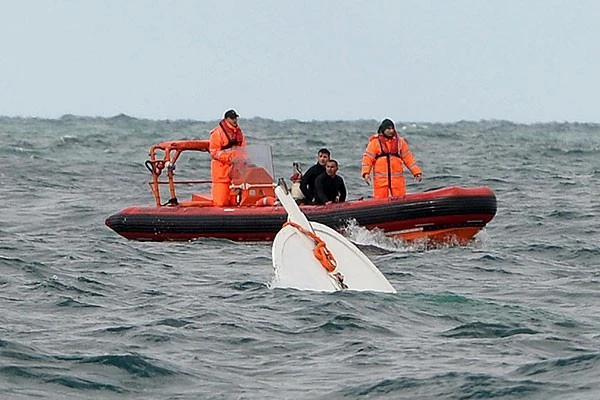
(429,61)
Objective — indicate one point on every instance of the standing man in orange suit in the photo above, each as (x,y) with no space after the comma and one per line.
(224,139)
(385,155)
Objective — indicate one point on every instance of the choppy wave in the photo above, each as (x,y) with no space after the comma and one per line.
(90,315)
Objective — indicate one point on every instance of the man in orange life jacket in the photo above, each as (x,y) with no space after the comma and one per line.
(225,138)
(385,154)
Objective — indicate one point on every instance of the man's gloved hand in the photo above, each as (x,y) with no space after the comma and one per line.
(367,178)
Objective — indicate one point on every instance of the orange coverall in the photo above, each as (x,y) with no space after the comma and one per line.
(223,151)
(388,172)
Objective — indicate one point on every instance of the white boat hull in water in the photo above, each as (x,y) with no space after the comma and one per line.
(297,267)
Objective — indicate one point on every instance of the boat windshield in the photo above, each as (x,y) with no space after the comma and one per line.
(259,155)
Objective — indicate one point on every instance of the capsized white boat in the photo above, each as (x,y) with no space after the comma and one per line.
(296,265)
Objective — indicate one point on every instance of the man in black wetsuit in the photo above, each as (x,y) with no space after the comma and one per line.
(307,184)
(330,187)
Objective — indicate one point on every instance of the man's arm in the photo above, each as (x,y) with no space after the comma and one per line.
(341,189)
(215,147)
(320,196)
(306,178)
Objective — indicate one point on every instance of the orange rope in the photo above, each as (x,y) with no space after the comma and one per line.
(321,251)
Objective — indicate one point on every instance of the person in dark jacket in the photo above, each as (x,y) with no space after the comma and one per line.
(329,186)
(307,185)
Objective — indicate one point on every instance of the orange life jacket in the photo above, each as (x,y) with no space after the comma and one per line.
(233,133)
(394,149)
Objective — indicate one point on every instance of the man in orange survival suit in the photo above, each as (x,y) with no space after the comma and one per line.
(385,154)
(224,139)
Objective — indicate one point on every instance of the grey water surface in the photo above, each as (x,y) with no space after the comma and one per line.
(87,314)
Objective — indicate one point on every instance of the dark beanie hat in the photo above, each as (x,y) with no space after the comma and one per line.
(231,114)
(386,123)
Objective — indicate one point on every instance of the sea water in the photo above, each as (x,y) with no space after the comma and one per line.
(87,314)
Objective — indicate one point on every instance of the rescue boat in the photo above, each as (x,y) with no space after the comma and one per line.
(452,214)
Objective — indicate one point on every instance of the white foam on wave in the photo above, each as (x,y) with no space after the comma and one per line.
(362,236)
(377,238)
